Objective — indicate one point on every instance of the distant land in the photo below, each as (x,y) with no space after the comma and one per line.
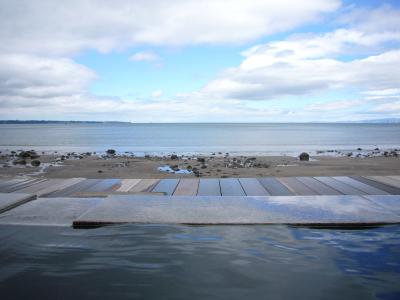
(381,121)
(373,121)
(55,122)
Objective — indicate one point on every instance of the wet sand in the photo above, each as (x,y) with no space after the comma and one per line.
(92,166)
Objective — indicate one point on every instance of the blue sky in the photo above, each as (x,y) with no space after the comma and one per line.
(191,61)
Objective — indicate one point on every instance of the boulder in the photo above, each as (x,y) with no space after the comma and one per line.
(201,159)
(35,163)
(28,154)
(110,152)
(174,156)
(304,156)
(19,161)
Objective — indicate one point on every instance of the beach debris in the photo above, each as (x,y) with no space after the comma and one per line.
(304,156)
(174,169)
(35,163)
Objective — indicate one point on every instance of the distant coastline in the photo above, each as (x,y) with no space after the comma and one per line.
(373,121)
(58,122)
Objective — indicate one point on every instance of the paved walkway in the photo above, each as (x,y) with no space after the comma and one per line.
(317,201)
(266,186)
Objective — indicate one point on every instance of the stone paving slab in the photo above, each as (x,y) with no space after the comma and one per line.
(9,201)
(299,210)
(48,211)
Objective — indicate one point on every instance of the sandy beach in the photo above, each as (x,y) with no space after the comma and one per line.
(214,166)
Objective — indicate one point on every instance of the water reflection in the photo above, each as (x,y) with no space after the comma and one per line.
(181,262)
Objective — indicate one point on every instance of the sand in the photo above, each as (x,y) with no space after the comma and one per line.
(217,167)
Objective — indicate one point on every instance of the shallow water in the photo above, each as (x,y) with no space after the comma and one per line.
(267,139)
(203,262)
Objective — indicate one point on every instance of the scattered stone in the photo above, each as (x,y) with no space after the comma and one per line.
(28,154)
(174,156)
(304,156)
(35,163)
(204,167)
(201,159)
(175,168)
(19,161)
(99,171)
(359,149)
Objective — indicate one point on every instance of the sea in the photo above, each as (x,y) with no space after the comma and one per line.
(200,138)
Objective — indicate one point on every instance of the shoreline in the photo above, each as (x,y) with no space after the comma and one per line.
(215,165)
(334,151)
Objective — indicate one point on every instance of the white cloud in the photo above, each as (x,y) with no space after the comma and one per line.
(309,64)
(38,77)
(332,106)
(46,26)
(157,93)
(144,56)
(388,108)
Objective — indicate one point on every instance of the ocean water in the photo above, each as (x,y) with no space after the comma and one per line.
(266,139)
(199,262)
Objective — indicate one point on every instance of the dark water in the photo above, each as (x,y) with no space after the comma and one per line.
(266,139)
(210,262)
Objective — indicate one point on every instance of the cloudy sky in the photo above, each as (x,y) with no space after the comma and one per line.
(199,61)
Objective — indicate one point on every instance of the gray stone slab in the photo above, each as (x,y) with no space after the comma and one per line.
(231,187)
(252,187)
(370,190)
(78,187)
(104,185)
(187,187)
(274,187)
(209,187)
(297,187)
(328,210)
(340,186)
(11,181)
(390,202)
(40,186)
(385,180)
(21,185)
(166,186)
(318,186)
(9,201)
(48,211)
(388,188)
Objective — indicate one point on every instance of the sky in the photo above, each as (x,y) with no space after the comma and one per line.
(199,61)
